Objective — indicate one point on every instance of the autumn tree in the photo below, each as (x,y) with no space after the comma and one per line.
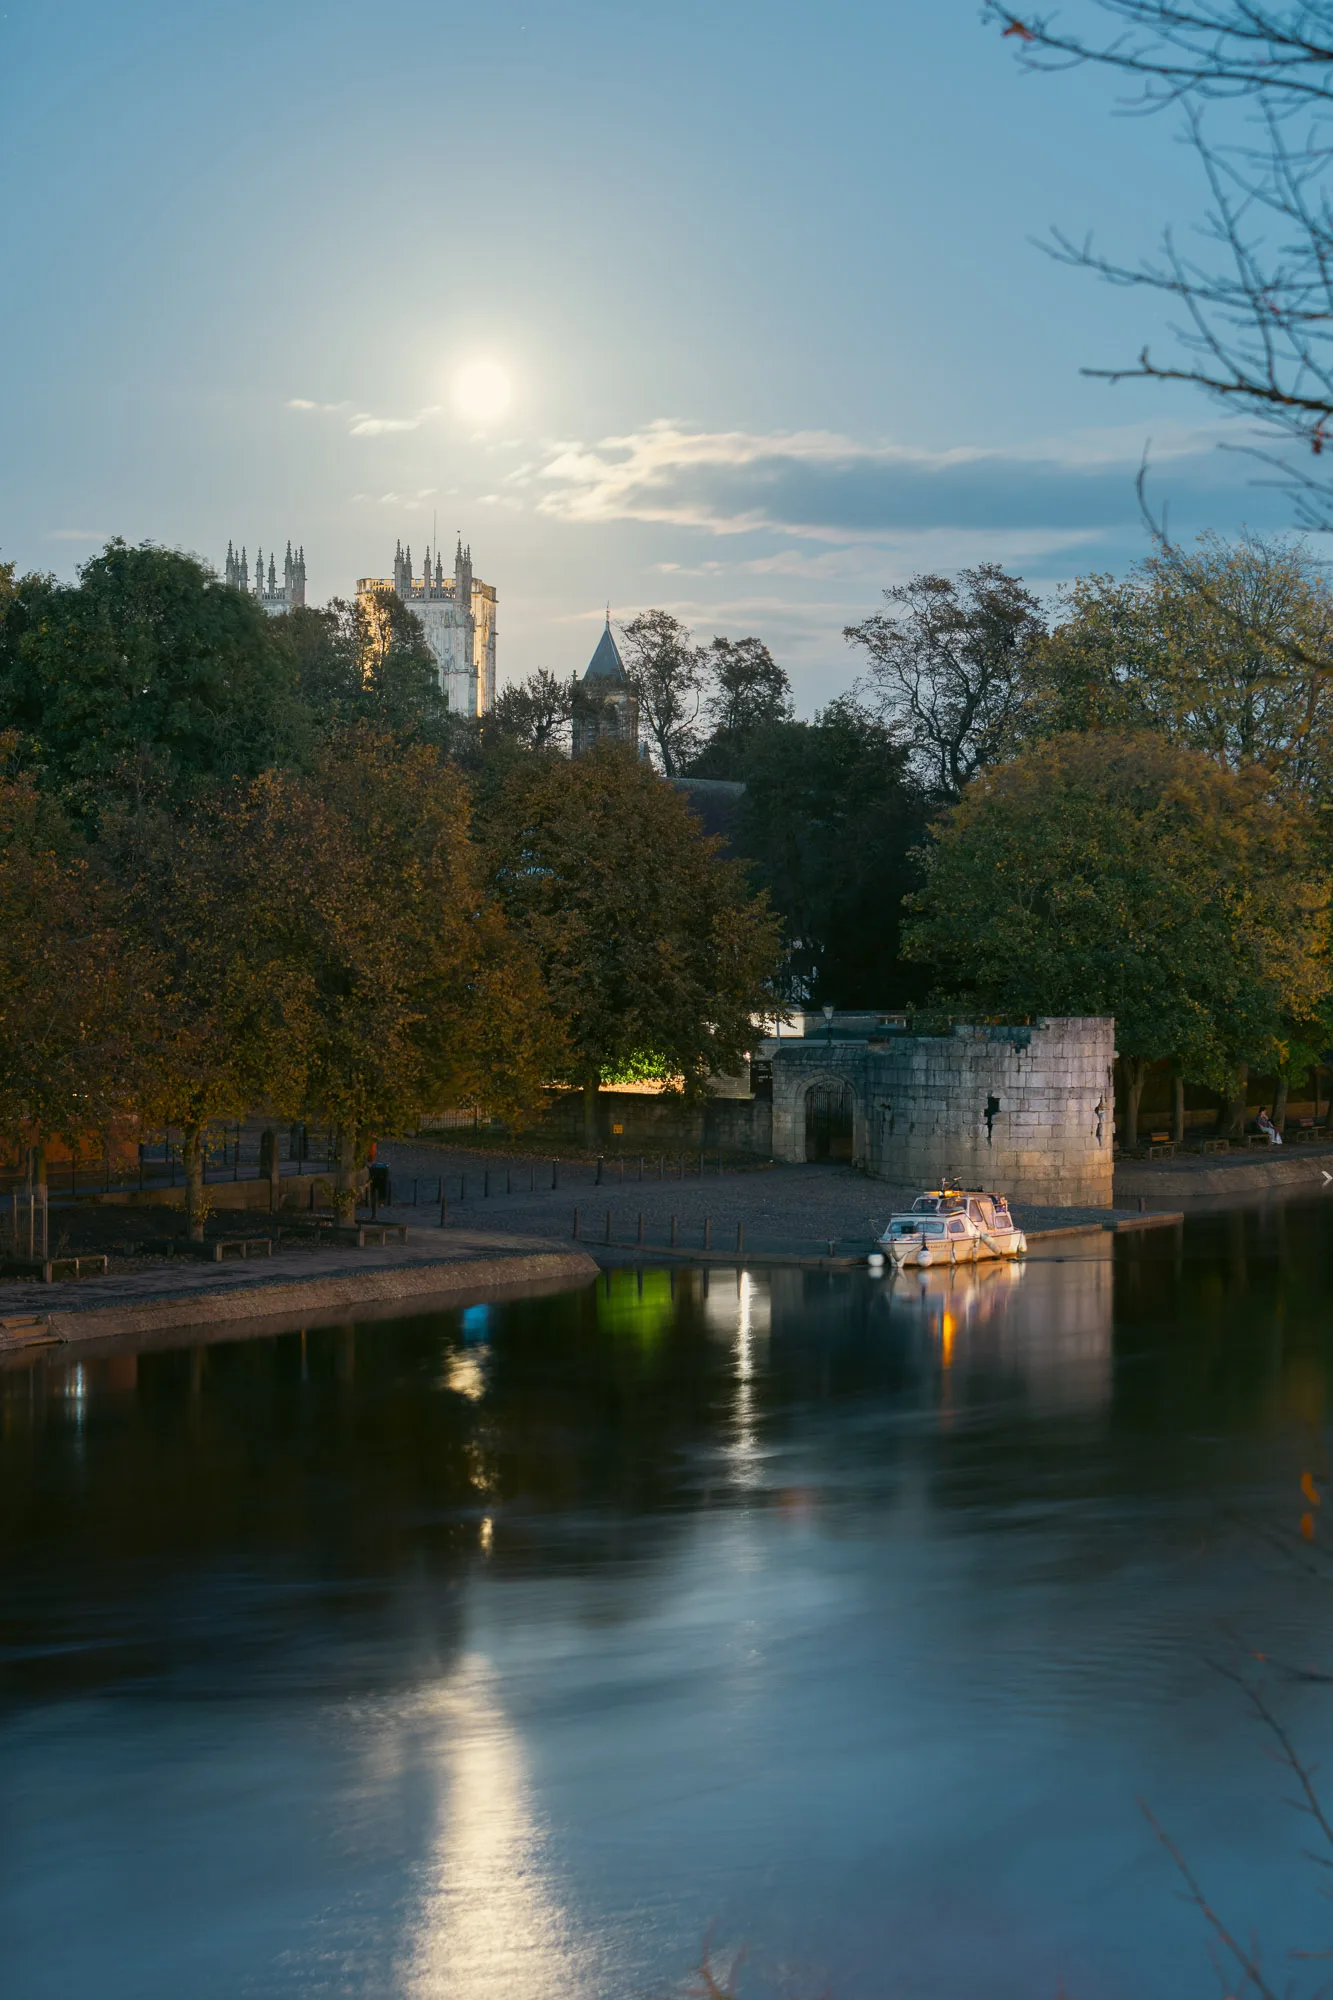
(1120,874)
(649,941)
(665,669)
(403,987)
(73,987)
(950,667)
(220,1028)
(1219,653)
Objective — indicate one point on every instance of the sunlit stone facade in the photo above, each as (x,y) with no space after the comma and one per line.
(457,614)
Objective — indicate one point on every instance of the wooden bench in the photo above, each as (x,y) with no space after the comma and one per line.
(54,1270)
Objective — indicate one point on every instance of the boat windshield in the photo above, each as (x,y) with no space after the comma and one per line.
(925,1204)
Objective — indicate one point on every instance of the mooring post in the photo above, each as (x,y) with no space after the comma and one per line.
(576,1222)
(708,1232)
(597,1179)
(486,1183)
(640,1236)
(509,1180)
(554,1177)
(607,1237)
(444,1206)
(740,1238)
(675,1232)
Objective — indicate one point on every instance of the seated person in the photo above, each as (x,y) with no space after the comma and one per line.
(1268,1128)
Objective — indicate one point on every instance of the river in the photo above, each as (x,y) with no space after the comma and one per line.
(532,1650)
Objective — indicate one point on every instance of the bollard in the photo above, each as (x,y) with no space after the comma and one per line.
(701,1166)
(607,1237)
(554,1178)
(708,1232)
(740,1238)
(661,1166)
(680,1166)
(832,1245)
(509,1180)
(640,1237)
(414,1194)
(675,1232)
(597,1179)
(641,1166)
(486,1184)
(1143,1203)
(576,1224)
(444,1207)
(462,1187)
(532,1180)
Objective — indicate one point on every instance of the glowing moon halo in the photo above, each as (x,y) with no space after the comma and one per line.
(482,391)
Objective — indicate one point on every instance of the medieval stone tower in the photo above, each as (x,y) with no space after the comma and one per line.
(457,615)
(276,599)
(606,708)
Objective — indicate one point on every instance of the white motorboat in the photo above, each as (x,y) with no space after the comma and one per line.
(950,1225)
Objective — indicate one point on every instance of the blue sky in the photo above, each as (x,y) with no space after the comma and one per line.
(761,278)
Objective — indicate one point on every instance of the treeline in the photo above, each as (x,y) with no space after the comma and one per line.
(251,861)
(259,860)
(1119,804)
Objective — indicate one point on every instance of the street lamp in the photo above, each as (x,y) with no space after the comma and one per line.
(828,1021)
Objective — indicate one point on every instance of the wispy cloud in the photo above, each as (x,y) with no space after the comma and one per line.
(822,486)
(364,422)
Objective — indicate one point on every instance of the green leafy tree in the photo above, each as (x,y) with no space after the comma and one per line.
(647,938)
(950,669)
(828,823)
(148,674)
(535,713)
(1120,874)
(748,691)
(665,669)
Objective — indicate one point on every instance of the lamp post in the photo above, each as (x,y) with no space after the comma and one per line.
(828,1021)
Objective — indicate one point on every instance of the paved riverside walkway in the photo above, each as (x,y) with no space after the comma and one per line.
(792,1210)
(179,1292)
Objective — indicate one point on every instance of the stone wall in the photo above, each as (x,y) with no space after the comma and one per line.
(1025,1110)
(665,1122)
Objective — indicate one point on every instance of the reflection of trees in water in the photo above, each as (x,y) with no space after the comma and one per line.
(311,1499)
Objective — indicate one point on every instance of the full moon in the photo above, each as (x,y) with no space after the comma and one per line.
(482,391)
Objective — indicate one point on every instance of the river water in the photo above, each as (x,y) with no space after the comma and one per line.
(529,1651)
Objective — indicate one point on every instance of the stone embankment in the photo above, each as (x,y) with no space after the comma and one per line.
(432,1268)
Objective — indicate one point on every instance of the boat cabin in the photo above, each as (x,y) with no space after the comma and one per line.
(987,1211)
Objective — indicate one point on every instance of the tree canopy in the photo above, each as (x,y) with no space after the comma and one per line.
(950,668)
(1117,873)
(148,675)
(648,940)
